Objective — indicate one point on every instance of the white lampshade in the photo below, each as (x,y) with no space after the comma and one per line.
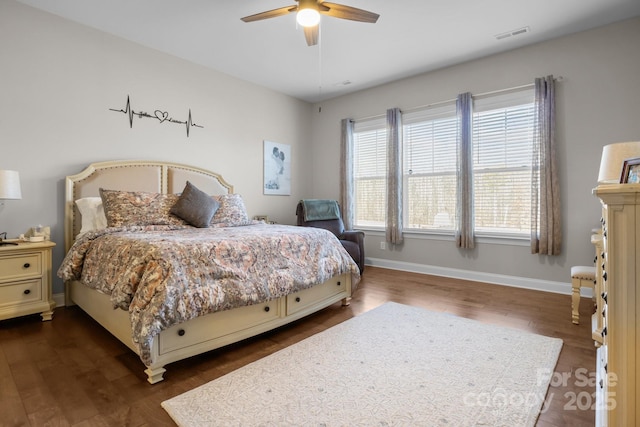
(613,157)
(10,185)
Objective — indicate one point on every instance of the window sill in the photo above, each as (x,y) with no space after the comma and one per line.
(483,238)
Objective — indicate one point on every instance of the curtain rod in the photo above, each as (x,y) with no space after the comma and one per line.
(449,101)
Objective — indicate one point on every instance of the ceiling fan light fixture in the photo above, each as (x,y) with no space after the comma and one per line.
(308,17)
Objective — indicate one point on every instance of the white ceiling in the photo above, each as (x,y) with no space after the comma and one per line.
(410,37)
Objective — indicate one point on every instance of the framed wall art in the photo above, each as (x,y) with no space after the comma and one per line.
(277,169)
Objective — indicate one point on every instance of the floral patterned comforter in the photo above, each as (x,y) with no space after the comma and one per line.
(165,275)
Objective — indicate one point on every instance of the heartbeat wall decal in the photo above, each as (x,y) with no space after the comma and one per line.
(161,116)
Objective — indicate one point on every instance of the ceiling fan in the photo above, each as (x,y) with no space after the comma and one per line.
(308,15)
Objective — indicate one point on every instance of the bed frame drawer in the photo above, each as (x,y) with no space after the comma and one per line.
(308,297)
(216,325)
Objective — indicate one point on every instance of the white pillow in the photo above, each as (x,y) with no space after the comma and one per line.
(92,213)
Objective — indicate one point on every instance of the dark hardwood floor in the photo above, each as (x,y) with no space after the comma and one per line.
(71,372)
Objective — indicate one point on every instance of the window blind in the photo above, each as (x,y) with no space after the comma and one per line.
(370,169)
(429,138)
(502,149)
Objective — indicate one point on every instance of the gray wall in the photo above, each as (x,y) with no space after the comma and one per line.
(598,103)
(59,80)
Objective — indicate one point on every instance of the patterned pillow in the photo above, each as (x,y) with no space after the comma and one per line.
(231,212)
(128,208)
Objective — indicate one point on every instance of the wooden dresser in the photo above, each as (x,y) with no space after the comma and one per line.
(617,322)
(25,280)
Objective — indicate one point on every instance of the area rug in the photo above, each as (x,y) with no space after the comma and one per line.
(393,365)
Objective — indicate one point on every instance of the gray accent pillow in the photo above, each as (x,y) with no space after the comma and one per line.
(195,206)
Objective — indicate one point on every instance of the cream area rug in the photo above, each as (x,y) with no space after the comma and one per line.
(394,365)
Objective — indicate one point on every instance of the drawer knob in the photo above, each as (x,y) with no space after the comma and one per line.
(181,332)
(338,283)
(297,299)
(26,265)
(27,291)
(267,309)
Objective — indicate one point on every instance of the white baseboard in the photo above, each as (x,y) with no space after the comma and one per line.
(59,299)
(477,276)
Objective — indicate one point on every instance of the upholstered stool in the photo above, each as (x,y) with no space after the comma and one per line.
(581,276)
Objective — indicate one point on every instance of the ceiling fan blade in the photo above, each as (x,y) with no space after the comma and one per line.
(348,12)
(311,35)
(270,13)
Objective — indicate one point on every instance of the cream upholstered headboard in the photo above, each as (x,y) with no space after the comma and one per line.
(133,175)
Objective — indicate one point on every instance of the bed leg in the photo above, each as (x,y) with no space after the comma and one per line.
(68,302)
(154,375)
(346,301)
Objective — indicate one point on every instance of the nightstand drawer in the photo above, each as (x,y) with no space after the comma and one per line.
(17,293)
(17,266)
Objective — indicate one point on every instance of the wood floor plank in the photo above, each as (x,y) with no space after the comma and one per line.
(12,411)
(38,399)
(71,372)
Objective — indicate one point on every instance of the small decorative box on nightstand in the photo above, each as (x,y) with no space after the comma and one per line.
(25,280)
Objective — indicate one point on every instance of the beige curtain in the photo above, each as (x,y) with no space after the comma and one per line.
(464,206)
(546,230)
(346,174)
(394,176)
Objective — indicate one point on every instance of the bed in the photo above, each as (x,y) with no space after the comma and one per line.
(170,290)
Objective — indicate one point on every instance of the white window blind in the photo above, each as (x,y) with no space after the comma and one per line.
(429,147)
(370,169)
(502,150)
(502,141)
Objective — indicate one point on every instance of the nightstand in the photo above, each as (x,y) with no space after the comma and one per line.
(25,280)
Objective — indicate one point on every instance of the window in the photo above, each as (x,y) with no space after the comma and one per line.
(370,169)
(502,149)
(429,148)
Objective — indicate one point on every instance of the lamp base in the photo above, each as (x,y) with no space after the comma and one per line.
(3,242)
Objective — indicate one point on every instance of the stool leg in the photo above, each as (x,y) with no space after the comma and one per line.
(575,301)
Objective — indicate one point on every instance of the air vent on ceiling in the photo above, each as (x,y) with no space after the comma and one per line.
(512,33)
(343,83)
